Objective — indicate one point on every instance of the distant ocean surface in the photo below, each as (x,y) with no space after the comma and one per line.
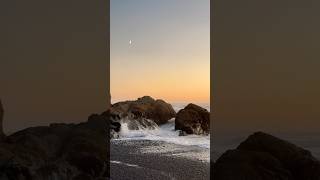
(166,132)
(181,105)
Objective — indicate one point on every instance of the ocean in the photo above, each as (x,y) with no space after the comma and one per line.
(166,133)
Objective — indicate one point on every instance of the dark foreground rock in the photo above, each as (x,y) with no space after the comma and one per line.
(193,119)
(145,107)
(1,119)
(265,157)
(58,151)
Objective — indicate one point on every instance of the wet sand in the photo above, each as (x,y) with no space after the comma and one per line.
(157,160)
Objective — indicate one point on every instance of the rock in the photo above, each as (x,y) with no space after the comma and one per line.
(141,123)
(145,107)
(161,112)
(298,161)
(237,164)
(182,133)
(113,124)
(59,151)
(265,157)
(2,135)
(113,134)
(143,113)
(193,119)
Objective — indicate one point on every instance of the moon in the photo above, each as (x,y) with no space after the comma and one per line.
(130,42)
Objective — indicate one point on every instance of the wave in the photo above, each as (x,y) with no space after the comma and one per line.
(148,130)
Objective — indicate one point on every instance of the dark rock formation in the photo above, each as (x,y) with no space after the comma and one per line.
(114,124)
(265,157)
(193,119)
(146,107)
(59,151)
(1,119)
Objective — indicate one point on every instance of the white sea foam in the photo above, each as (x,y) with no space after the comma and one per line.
(126,164)
(165,133)
(189,146)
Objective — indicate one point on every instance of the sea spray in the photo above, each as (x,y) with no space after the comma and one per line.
(137,130)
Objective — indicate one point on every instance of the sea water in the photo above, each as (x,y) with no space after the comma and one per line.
(166,132)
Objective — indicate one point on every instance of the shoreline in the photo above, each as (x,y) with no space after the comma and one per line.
(147,159)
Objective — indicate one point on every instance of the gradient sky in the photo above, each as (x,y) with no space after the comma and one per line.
(53,61)
(169,57)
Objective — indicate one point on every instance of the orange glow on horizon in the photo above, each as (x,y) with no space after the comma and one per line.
(165,57)
(188,84)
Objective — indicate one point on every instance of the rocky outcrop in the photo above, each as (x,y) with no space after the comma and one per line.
(131,124)
(145,107)
(113,124)
(193,119)
(58,151)
(265,157)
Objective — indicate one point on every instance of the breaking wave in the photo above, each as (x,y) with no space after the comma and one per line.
(148,130)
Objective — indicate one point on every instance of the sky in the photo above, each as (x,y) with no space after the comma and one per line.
(169,54)
(265,70)
(266,66)
(53,61)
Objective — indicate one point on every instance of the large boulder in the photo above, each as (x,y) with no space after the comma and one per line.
(145,107)
(193,119)
(265,157)
(59,151)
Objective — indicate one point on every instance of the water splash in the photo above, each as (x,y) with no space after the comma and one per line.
(137,130)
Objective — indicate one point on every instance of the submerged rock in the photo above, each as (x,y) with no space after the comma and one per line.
(265,157)
(193,119)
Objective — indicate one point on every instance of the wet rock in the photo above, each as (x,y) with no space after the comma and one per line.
(114,124)
(182,133)
(193,119)
(145,107)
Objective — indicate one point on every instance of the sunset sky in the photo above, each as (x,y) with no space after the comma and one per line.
(169,53)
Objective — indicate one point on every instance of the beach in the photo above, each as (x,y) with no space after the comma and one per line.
(157,160)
